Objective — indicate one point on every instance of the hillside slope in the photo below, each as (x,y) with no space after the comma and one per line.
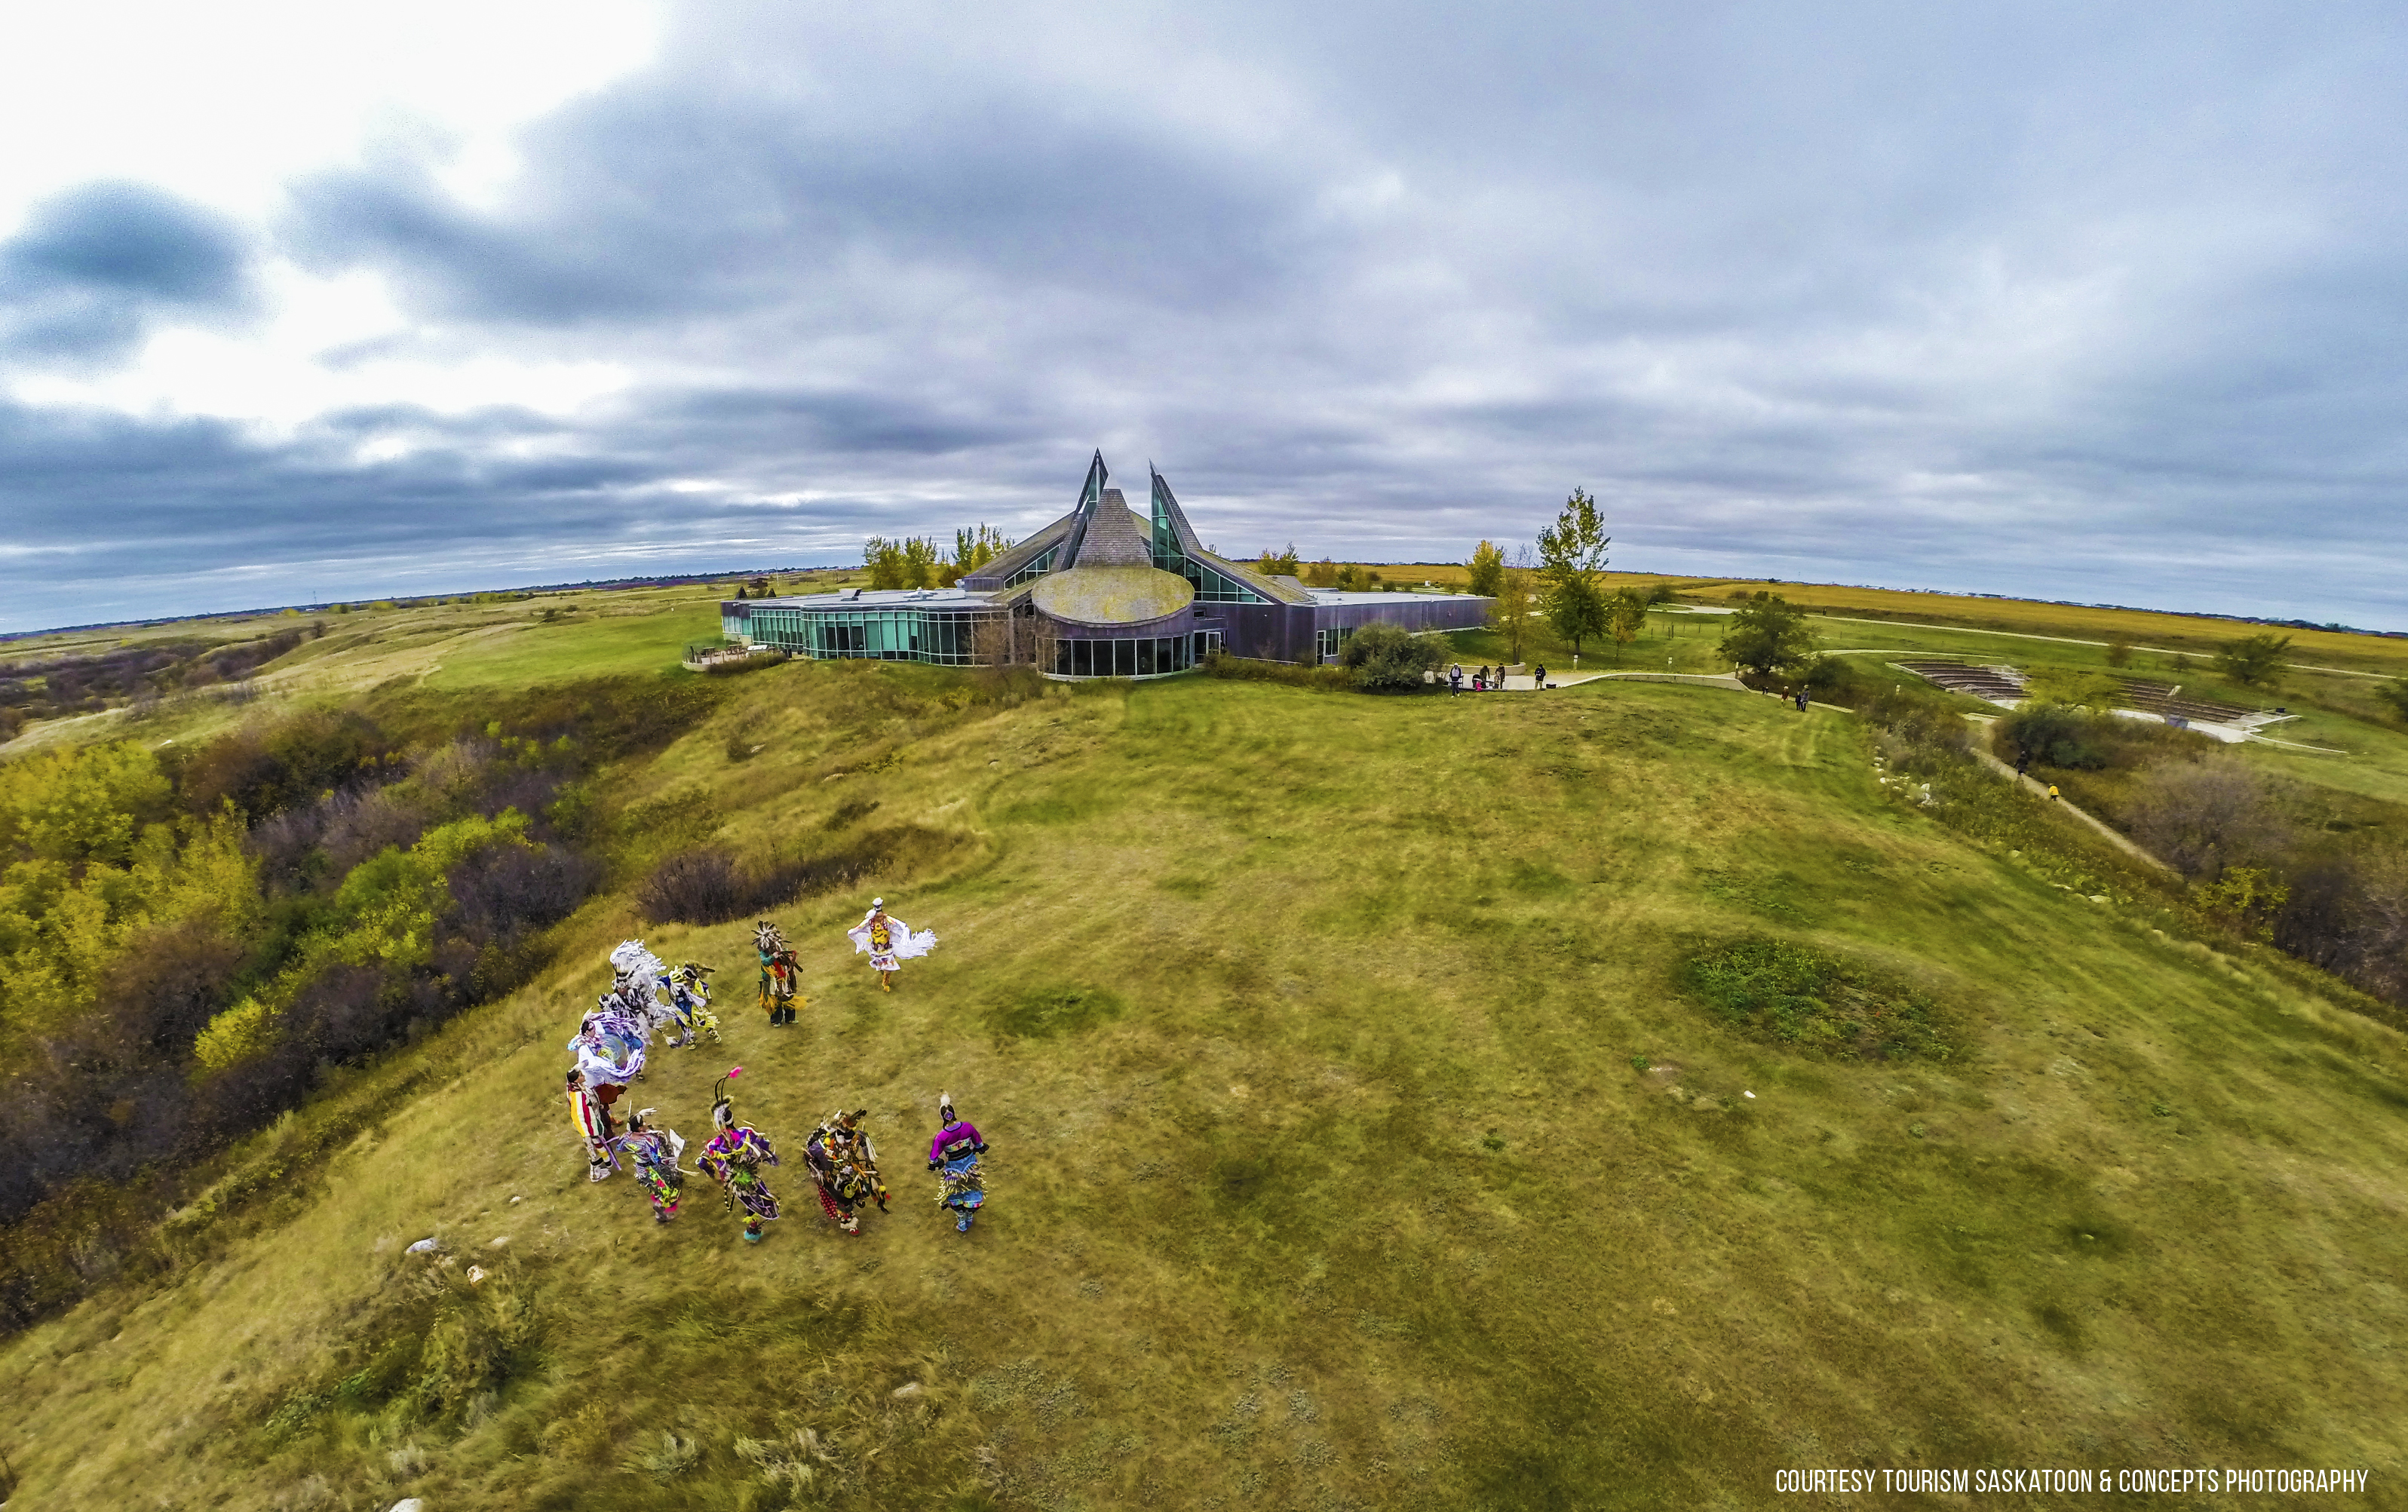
(1309,1031)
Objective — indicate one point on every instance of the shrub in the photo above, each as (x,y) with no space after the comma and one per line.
(1247,669)
(2201,817)
(2055,734)
(1388,658)
(1779,991)
(706,886)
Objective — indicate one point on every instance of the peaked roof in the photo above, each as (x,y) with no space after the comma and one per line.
(1101,530)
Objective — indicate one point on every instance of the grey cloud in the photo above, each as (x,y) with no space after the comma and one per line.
(94,269)
(2098,304)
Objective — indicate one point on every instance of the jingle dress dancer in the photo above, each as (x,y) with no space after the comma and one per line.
(954,1155)
(889,942)
(734,1159)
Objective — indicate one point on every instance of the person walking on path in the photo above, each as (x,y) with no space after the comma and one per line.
(2023,761)
(2052,792)
(1539,679)
(1455,680)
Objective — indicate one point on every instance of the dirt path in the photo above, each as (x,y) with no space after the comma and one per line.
(2109,832)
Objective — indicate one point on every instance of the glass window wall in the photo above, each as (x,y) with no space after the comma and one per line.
(1157,656)
(946,639)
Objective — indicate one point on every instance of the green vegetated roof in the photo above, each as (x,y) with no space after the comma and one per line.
(1114,595)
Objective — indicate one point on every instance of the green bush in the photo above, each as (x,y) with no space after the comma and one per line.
(1782,992)
(1247,669)
(1385,658)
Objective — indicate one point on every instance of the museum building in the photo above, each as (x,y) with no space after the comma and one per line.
(1103,591)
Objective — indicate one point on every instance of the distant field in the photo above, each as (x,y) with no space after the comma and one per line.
(1357,1143)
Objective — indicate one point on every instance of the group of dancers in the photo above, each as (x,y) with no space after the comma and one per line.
(647,1001)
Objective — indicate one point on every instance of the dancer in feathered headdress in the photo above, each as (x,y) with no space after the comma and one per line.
(734,1159)
(780,972)
(653,1152)
(691,996)
(954,1155)
(844,1166)
(638,977)
(889,941)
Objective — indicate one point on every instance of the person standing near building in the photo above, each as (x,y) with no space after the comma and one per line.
(1455,680)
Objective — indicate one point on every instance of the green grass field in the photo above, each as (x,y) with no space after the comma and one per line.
(1357,1143)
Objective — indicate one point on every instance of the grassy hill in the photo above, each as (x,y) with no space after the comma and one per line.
(1369,1081)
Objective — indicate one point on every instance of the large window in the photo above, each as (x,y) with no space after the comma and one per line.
(1151,657)
(1042,565)
(1215,587)
(1331,641)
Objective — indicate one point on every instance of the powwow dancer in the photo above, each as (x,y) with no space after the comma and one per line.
(842,1193)
(846,1141)
(652,1153)
(691,996)
(889,941)
(780,972)
(734,1159)
(954,1155)
(636,977)
(593,1123)
(610,1051)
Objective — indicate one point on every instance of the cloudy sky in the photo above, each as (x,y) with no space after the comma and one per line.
(302,302)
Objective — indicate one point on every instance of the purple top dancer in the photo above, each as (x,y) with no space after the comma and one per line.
(958,1138)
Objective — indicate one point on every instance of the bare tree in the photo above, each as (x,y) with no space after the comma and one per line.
(2201,817)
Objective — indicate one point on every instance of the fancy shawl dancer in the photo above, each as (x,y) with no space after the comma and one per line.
(954,1155)
(653,1152)
(593,1123)
(780,972)
(734,1159)
(610,1049)
(890,942)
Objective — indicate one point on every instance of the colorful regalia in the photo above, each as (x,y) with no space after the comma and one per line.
(638,977)
(690,996)
(954,1155)
(780,972)
(888,942)
(844,1138)
(653,1154)
(592,1123)
(735,1158)
(842,1192)
(609,1049)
